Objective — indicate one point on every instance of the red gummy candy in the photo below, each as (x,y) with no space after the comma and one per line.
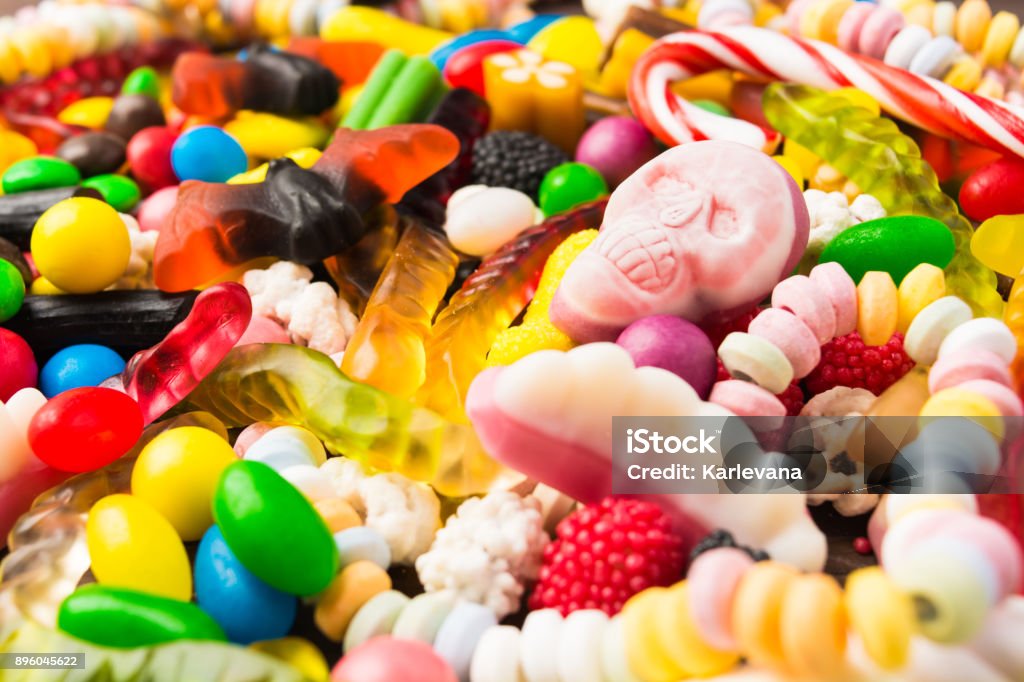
(161,377)
(84,429)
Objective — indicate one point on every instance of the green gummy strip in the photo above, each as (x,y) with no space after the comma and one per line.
(374,90)
(417,85)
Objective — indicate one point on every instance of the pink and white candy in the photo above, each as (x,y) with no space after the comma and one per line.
(919,100)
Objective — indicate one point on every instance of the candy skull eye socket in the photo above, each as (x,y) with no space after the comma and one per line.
(682,211)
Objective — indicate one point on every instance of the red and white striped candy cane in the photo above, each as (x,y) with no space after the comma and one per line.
(922,101)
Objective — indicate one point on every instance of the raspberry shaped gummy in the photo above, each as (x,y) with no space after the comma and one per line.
(848,361)
(514,159)
(605,553)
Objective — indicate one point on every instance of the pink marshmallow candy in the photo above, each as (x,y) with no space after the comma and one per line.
(956,368)
(832,280)
(878,31)
(745,399)
(799,295)
(851,25)
(792,337)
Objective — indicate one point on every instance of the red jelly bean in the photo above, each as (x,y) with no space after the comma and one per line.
(149,155)
(465,68)
(995,189)
(18,367)
(85,429)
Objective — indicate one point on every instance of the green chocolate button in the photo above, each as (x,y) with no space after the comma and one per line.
(569,185)
(39,172)
(142,81)
(120,192)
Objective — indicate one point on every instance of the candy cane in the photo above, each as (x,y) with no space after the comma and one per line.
(922,101)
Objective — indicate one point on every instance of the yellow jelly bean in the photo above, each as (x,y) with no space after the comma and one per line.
(305,158)
(859,98)
(177,473)
(268,136)
(999,244)
(81,245)
(131,545)
(878,308)
(367,24)
(791,167)
(802,156)
(297,652)
(956,402)
(573,40)
(91,112)
(14,147)
(881,615)
(681,640)
(44,287)
(646,658)
(921,286)
(756,609)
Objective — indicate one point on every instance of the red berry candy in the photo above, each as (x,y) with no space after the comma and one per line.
(84,429)
(18,367)
(847,361)
(717,331)
(604,554)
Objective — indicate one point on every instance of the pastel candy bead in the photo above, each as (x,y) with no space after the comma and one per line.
(38,172)
(972,20)
(539,645)
(944,18)
(881,615)
(362,544)
(713,578)
(812,626)
(877,308)
(674,344)
(460,633)
(245,607)
(423,616)
(841,291)
(207,153)
(681,640)
(749,357)
(614,660)
(647,658)
(338,514)
(999,38)
(480,221)
(81,245)
(177,472)
(355,585)
(579,648)
(375,618)
(757,608)
(984,333)
(496,658)
(791,336)
(132,546)
(957,402)
(386,659)
(949,589)
(923,285)
(1001,395)
(936,57)
(932,325)
(850,26)
(273,529)
(956,368)
(291,439)
(122,618)
(745,399)
(799,296)
(907,43)
(880,29)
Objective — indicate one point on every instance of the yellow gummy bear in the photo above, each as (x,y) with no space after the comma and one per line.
(536,332)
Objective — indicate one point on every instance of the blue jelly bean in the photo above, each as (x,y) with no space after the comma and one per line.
(362,543)
(440,55)
(78,366)
(207,153)
(245,607)
(524,31)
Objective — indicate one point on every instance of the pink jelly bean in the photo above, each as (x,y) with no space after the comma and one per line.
(154,210)
(161,377)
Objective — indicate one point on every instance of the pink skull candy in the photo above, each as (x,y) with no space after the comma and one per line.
(704,230)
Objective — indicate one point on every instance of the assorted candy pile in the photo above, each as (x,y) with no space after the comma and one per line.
(314,319)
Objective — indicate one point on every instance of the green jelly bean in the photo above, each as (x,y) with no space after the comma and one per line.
(117,617)
(712,106)
(39,172)
(12,290)
(896,245)
(117,190)
(569,185)
(273,529)
(142,81)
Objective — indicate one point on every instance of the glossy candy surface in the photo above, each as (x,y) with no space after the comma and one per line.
(896,245)
(85,428)
(78,366)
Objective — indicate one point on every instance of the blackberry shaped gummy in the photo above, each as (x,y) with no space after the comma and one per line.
(514,159)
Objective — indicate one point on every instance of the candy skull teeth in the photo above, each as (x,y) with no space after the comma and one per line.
(704,229)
